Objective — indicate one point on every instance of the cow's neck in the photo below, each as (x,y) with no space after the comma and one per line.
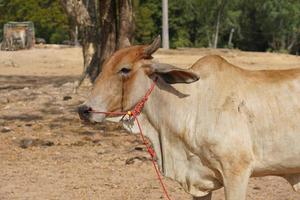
(170,111)
(173,106)
(173,116)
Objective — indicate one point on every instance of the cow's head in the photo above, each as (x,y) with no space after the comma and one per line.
(125,78)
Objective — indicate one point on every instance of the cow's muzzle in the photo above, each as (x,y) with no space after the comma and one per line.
(84,112)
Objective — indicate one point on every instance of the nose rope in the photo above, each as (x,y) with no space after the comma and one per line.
(133,114)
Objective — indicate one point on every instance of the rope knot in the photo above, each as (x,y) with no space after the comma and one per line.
(138,108)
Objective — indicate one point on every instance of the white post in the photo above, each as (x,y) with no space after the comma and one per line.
(165,38)
(230,38)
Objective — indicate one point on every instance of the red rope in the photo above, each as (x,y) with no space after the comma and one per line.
(152,154)
(140,105)
(134,114)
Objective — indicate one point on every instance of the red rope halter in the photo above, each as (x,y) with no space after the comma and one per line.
(134,115)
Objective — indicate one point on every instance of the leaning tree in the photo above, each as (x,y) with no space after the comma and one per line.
(104,26)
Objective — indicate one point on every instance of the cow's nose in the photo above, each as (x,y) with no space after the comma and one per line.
(84,112)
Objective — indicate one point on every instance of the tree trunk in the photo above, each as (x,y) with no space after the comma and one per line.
(104,26)
(217,30)
(126,26)
(220,13)
(106,42)
(293,42)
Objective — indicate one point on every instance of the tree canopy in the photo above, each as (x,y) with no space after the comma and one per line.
(260,25)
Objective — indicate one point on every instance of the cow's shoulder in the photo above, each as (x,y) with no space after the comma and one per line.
(209,60)
(213,64)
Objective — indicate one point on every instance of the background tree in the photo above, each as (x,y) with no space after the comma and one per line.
(282,17)
(147,20)
(105,26)
(221,8)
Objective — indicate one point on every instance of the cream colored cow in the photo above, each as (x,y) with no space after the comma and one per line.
(16,36)
(220,130)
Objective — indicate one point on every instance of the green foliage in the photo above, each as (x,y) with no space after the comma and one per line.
(259,25)
(147,20)
(58,36)
(283,19)
(47,15)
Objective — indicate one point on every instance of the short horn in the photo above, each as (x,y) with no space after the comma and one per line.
(150,49)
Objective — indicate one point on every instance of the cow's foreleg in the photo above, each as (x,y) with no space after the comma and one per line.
(207,197)
(235,183)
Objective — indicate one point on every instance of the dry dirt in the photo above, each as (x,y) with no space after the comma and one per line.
(47,153)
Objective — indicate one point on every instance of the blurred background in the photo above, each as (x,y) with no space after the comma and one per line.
(260,25)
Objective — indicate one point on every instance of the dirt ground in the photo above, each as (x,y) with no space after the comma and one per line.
(47,153)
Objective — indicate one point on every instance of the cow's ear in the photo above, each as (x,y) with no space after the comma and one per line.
(172,75)
(151,48)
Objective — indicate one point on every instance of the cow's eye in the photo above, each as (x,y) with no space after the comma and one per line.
(125,71)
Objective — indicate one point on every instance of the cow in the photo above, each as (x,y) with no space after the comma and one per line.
(16,38)
(212,125)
